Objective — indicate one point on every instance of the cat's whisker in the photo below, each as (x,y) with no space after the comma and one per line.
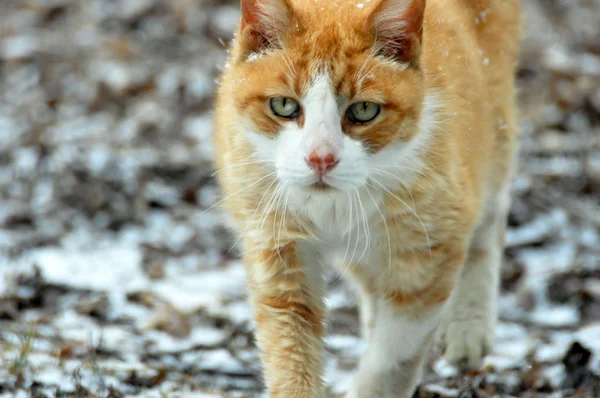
(398,178)
(263,197)
(357,230)
(240,190)
(282,213)
(235,243)
(349,228)
(276,206)
(365,227)
(277,212)
(349,264)
(357,237)
(271,212)
(271,207)
(401,182)
(267,209)
(387,230)
(285,212)
(289,64)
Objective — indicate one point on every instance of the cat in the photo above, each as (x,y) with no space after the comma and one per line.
(382,133)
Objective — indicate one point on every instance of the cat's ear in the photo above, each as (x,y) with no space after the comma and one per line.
(399,29)
(263,21)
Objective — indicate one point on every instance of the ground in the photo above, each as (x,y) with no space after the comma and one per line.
(117,277)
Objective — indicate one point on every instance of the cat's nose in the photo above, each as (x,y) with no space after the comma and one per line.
(321,163)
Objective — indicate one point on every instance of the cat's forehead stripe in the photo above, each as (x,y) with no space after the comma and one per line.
(338,79)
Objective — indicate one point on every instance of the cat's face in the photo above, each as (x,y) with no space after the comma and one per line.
(325,104)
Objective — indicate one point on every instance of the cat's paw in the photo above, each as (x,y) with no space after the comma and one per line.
(466,342)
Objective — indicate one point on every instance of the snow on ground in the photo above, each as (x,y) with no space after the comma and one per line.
(117,279)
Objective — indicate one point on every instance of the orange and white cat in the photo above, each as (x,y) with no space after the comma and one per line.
(382,133)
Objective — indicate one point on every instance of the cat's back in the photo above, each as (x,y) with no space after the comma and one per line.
(470,52)
(492,26)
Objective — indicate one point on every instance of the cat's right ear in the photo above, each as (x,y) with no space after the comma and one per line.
(263,22)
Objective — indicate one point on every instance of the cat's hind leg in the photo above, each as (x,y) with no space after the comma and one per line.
(468,333)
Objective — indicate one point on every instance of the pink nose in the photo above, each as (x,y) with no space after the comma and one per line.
(321,164)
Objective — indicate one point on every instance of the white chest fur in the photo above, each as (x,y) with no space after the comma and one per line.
(347,225)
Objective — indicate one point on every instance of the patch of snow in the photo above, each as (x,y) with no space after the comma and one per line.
(169,81)
(441,390)
(25,160)
(9,132)
(589,337)
(131,9)
(556,316)
(83,128)
(536,230)
(549,353)
(508,354)
(239,312)
(443,368)
(200,336)
(162,193)
(500,363)
(220,360)
(510,331)
(337,300)
(340,381)
(109,269)
(18,47)
(43,195)
(99,158)
(555,374)
(206,290)
(347,345)
(54,376)
(200,129)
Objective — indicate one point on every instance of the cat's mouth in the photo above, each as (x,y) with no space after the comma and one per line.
(321,186)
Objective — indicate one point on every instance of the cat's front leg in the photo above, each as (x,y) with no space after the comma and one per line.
(288,310)
(404,324)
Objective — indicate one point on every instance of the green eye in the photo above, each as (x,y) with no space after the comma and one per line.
(285,107)
(363,112)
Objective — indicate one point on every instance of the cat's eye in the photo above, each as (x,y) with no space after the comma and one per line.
(363,112)
(285,107)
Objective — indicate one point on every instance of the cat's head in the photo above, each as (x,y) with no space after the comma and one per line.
(332,91)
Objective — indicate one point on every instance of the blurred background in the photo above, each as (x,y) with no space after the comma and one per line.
(115,279)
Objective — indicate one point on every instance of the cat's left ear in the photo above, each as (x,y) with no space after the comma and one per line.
(399,29)
(263,21)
